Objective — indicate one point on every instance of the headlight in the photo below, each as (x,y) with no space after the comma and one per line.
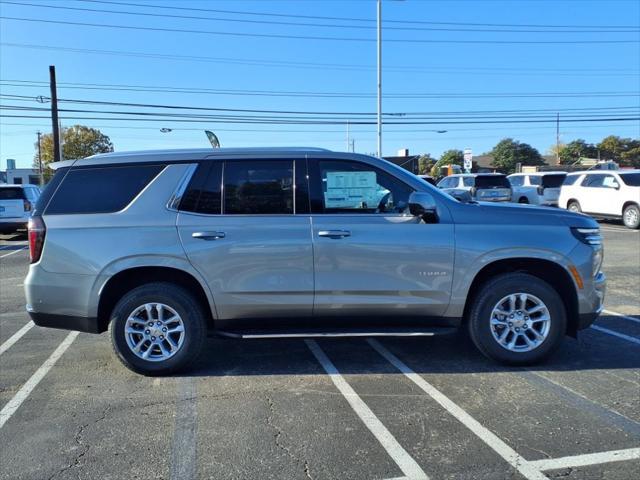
(598,257)
(590,236)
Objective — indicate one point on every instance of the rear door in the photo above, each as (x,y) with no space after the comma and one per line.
(245,227)
(592,193)
(372,258)
(12,202)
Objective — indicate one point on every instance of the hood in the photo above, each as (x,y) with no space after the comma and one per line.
(518,214)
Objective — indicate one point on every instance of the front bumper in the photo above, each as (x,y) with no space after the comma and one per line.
(595,300)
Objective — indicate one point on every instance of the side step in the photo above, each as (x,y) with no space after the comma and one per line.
(336,333)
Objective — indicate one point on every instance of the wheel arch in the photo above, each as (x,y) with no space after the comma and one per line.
(551,272)
(127,279)
(628,203)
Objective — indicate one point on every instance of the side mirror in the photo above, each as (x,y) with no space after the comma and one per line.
(463,196)
(423,205)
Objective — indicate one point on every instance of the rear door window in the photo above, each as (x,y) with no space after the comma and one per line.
(534,179)
(570,179)
(100,189)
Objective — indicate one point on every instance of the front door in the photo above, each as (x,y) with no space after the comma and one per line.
(371,257)
(251,243)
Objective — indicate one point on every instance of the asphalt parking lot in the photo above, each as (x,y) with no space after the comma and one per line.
(330,409)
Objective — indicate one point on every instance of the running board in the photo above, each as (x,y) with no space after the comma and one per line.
(342,333)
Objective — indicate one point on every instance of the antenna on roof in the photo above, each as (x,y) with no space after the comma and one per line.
(215,143)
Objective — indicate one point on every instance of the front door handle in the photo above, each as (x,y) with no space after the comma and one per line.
(208,235)
(334,233)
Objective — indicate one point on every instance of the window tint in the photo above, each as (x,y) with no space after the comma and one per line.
(468,181)
(593,181)
(100,190)
(631,179)
(258,187)
(516,181)
(189,201)
(11,193)
(534,179)
(553,181)
(492,181)
(49,190)
(570,179)
(353,187)
(302,187)
(210,194)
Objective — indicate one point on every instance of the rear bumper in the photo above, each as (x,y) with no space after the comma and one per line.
(12,224)
(66,322)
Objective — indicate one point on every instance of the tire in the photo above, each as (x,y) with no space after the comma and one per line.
(631,217)
(173,302)
(574,206)
(486,336)
(523,200)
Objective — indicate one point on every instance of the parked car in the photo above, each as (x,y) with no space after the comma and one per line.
(539,188)
(161,247)
(610,195)
(428,179)
(16,205)
(487,187)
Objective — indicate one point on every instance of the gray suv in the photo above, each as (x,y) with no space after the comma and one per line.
(162,248)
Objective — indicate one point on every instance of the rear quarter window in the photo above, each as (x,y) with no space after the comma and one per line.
(631,179)
(99,190)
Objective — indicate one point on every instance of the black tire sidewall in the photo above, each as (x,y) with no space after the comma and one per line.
(178,299)
(494,291)
(637,224)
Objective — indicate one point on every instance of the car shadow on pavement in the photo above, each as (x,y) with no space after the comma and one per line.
(446,354)
(11,238)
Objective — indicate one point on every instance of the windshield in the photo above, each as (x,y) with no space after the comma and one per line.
(492,181)
(631,179)
(553,181)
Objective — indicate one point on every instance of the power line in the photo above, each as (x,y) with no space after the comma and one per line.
(316,37)
(318,25)
(501,71)
(316,17)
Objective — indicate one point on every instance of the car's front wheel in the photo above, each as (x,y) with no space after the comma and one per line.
(157,329)
(631,216)
(517,319)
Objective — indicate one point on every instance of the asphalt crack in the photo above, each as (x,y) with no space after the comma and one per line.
(277,436)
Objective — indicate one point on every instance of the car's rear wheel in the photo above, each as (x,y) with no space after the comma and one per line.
(574,206)
(517,319)
(157,329)
(631,216)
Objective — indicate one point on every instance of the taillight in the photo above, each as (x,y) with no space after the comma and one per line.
(541,190)
(37,231)
(27,206)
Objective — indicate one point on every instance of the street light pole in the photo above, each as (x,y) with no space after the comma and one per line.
(379,78)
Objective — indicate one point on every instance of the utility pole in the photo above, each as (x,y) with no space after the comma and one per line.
(558,137)
(40,161)
(348,139)
(57,151)
(379,78)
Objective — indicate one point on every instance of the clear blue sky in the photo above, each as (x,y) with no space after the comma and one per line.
(425,64)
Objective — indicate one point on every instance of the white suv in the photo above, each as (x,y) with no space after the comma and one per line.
(539,188)
(16,204)
(611,194)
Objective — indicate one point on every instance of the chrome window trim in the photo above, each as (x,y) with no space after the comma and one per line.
(176,196)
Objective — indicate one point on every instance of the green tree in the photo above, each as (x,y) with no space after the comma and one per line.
(425,163)
(611,147)
(573,151)
(450,157)
(77,142)
(509,152)
(631,158)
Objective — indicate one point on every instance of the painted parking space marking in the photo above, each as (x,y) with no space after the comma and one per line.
(403,460)
(523,466)
(628,338)
(15,337)
(588,459)
(620,315)
(12,406)
(183,453)
(15,251)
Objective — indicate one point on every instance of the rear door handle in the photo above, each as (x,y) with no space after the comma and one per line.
(334,233)
(208,235)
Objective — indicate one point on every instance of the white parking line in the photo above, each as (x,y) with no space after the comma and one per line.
(10,408)
(399,455)
(15,251)
(587,459)
(621,230)
(15,337)
(616,334)
(626,317)
(526,468)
